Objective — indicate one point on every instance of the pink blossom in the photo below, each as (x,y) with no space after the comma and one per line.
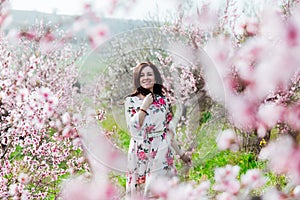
(202,189)
(22,96)
(81,160)
(292,116)
(38,122)
(242,112)
(30,84)
(227,139)
(66,119)
(261,130)
(270,114)
(5,17)
(285,159)
(25,195)
(181,191)
(52,101)
(240,25)
(226,179)
(274,73)
(45,93)
(97,35)
(292,34)
(271,23)
(296,191)
(76,142)
(253,179)
(58,124)
(226,196)
(101,115)
(252,26)
(100,150)
(160,187)
(13,189)
(274,194)
(293,168)
(23,178)
(279,158)
(246,56)
(80,187)
(79,24)
(28,35)
(206,18)
(67,131)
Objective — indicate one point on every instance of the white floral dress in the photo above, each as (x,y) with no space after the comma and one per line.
(150,152)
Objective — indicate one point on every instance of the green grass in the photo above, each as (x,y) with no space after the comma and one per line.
(205,158)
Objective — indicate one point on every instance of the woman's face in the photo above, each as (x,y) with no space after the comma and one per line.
(147,78)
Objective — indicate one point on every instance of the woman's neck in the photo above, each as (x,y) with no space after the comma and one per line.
(140,96)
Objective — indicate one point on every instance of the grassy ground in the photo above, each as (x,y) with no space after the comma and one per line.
(205,158)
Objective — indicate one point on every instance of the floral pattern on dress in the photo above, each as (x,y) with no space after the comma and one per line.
(148,155)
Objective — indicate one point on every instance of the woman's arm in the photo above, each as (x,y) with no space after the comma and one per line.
(136,118)
(144,107)
(182,154)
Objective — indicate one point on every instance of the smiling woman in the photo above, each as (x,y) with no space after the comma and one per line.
(152,145)
(147,78)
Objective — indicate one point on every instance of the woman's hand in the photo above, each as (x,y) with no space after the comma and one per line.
(148,100)
(186,157)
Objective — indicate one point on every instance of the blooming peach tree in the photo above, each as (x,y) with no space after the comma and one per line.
(239,73)
(252,71)
(39,140)
(41,105)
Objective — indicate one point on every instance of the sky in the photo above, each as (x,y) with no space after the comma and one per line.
(139,10)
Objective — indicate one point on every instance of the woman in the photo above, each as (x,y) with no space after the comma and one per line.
(148,116)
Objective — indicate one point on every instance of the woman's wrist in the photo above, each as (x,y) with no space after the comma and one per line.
(185,157)
(143,110)
(181,154)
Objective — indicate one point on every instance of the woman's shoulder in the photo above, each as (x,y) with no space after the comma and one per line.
(131,99)
(161,97)
(164,99)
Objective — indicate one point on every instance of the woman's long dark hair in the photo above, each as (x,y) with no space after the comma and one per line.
(158,87)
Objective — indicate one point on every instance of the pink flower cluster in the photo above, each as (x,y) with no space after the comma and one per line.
(38,135)
(103,158)
(231,188)
(228,139)
(226,186)
(284,157)
(256,76)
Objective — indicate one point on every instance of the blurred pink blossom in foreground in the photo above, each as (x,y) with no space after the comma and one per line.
(103,158)
(243,76)
(283,157)
(227,139)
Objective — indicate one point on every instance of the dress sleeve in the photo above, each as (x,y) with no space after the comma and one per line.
(132,119)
